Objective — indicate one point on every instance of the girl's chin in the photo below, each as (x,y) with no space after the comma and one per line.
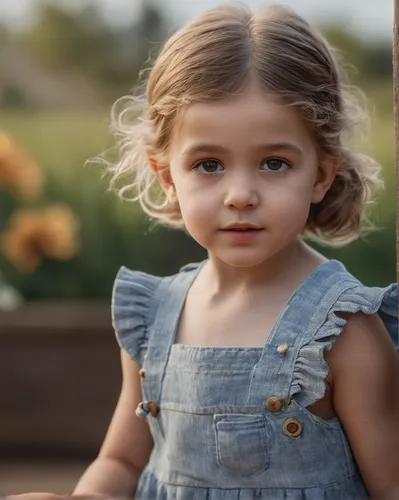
(241,258)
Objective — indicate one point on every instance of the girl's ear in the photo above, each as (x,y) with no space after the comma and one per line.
(153,163)
(325,177)
(162,172)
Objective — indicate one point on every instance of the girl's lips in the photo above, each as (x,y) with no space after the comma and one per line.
(242,235)
(241,226)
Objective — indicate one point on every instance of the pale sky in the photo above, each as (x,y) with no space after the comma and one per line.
(368,18)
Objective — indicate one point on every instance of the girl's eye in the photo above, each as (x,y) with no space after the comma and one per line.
(208,167)
(275,165)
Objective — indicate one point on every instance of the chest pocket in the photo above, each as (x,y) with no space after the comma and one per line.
(241,442)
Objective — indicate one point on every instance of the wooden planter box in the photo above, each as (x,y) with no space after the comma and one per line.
(59,379)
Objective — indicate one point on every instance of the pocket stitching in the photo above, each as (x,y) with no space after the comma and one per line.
(259,425)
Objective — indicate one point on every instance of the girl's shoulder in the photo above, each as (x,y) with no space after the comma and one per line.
(358,297)
(136,297)
(329,298)
(334,290)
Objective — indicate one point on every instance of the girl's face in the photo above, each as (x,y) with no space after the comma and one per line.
(245,171)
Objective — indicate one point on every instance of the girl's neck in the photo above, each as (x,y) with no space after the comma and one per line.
(292,265)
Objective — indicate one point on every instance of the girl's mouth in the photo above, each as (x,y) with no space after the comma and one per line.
(242,234)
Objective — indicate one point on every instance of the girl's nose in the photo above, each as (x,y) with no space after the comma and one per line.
(241,194)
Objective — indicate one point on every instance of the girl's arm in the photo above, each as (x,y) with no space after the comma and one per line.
(127,445)
(365,376)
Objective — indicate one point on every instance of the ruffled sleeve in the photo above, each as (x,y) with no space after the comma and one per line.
(311,369)
(133,310)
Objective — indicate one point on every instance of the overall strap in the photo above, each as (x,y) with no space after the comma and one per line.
(303,314)
(170,295)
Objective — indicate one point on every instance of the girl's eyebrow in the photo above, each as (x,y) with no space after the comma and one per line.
(215,148)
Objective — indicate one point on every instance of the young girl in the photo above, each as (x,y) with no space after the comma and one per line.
(266,371)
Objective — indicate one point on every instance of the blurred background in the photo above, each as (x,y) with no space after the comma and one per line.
(63,236)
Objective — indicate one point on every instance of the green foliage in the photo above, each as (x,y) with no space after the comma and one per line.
(113,233)
(363,60)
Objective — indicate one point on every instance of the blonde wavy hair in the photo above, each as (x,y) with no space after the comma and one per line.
(211,58)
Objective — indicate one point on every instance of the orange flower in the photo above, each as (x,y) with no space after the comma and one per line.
(7,144)
(18,170)
(59,238)
(32,235)
(19,241)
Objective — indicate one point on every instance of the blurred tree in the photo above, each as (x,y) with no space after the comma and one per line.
(83,42)
(380,60)
(62,39)
(13,97)
(134,45)
(368,60)
(4,33)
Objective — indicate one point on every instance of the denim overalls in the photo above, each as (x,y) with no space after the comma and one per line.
(231,423)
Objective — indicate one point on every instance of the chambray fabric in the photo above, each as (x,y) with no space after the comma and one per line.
(214,437)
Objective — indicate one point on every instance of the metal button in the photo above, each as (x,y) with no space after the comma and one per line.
(147,408)
(153,408)
(141,411)
(142,373)
(273,404)
(292,427)
(282,349)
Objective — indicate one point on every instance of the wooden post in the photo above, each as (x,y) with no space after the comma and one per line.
(396,108)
